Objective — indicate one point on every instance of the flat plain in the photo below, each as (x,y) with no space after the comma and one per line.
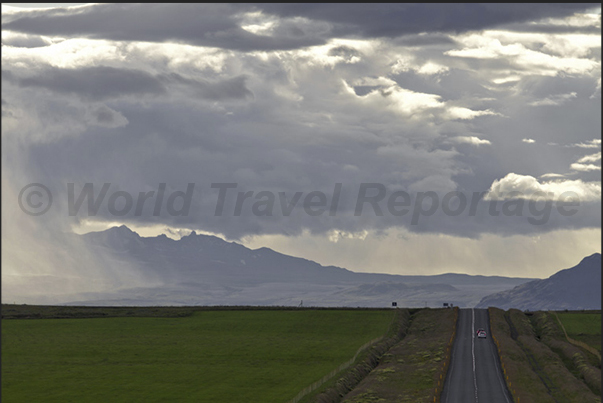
(209,356)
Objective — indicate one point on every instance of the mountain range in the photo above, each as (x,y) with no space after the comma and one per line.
(206,270)
(576,288)
(120,268)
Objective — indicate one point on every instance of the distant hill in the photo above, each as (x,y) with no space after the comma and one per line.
(206,270)
(576,288)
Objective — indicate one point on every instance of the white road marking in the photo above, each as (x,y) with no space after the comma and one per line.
(473,350)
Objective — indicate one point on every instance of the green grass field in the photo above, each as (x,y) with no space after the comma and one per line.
(585,327)
(211,356)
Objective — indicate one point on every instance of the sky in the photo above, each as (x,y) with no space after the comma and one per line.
(352,107)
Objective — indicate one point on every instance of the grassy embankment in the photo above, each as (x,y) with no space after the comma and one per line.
(208,356)
(584,327)
(414,367)
(339,383)
(538,363)
(581,363)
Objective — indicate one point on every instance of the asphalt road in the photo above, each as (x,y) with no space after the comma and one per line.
(474,374)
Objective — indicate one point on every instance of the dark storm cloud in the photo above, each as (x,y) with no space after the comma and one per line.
(25,41)
(177,145)
(233,88)
(551,28)
(344,52)
(111,93)
(200,24)
(9,77)
(103,82)
(219,25)
(96,83)
(391,20)
(432,39)
(303,128)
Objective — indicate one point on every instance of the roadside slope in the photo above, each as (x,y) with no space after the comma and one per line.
(411,369)
(536,363)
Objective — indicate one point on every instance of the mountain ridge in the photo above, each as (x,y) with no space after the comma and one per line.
(578,287)
(217,241)
(203,269)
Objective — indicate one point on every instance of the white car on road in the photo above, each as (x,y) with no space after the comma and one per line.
(481,333)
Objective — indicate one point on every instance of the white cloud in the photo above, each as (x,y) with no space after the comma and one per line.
(323,55)
(527,186)
(595,143)
(409,102)
(456,112)
(258,23)
(395,98)
(404,64)
(470,140)
(431,68)
(555,100)
(336,235)
(529,141)
(389,94)
(525,60)
(374,81)
(576,20)
(590,158)
(552,175)
(584,167)
(574,45)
